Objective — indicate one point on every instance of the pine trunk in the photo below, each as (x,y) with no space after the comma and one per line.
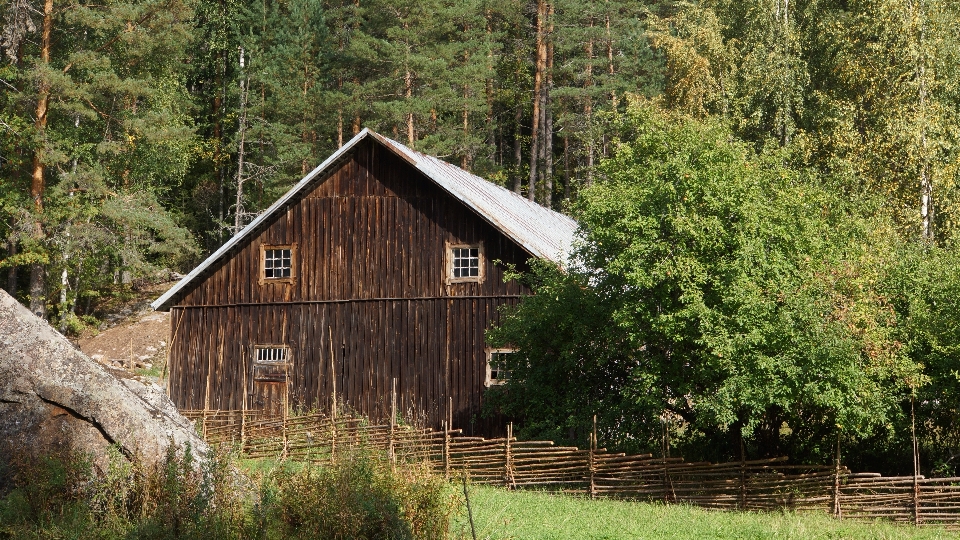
(548,116)
(541,59)
(518,151)
(12,271)
(588,105)
(37,182)
(566,167)
(465,159)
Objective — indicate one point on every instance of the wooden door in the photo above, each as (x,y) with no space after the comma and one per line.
(271,379)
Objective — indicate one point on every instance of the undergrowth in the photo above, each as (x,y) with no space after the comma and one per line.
(361,496)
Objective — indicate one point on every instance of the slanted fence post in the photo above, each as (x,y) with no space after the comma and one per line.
(837,512)
(391,451)
(446,450)
(592,463)
(508,476)
(916,466)
(743,476)
(333,397)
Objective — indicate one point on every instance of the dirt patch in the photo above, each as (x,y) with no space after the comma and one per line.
(135,342)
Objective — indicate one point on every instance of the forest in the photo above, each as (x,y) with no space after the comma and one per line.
(768,190)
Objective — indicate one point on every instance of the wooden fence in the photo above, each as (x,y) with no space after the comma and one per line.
(768,484)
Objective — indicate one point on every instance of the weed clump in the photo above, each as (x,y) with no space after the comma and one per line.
(61,495)
(363,496)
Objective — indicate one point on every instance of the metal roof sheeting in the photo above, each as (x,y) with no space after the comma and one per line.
(540,231)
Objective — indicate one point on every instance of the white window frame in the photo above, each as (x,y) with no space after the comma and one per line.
(450,247)
(271,362)
(488,380)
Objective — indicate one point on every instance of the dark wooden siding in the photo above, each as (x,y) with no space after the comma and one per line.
(371,247)
(376,228)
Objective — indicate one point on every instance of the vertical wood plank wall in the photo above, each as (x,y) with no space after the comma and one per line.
(371,246)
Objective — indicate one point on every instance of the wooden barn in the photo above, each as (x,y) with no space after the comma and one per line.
(381,264)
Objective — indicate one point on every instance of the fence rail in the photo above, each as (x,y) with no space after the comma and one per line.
(767,484)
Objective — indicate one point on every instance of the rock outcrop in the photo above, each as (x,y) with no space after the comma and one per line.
(53,396)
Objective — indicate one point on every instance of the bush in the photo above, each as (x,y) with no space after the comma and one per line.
(361,496)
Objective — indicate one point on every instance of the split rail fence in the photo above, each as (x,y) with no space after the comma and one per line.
(768,484)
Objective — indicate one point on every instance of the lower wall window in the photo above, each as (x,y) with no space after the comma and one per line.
(272,354)
(270,363)
(497,373)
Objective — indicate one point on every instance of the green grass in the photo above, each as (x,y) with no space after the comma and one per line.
(501,514)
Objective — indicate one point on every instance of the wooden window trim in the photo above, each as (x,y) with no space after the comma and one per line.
(257,375)
(263,280)
(448,266)
(487,380)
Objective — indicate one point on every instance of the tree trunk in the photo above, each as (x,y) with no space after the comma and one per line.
(37,181)
(517,151)
(488,86)
(613,93)
(64,285)
(566,166)
(926,183)
(408,84)
(541,60)
(241,152)
(465,159)
(548,116)
(588,105)
(12,271)
(38,301)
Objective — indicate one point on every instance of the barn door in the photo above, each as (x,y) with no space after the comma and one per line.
(271,379)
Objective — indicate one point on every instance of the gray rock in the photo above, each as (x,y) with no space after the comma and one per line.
(54,396)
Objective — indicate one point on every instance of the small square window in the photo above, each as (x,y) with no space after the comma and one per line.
(465,263)
(277,263)
(497,373)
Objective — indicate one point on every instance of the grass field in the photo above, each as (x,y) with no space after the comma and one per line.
(500,514)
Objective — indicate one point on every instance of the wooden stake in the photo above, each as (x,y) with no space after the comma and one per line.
(173,339)
(446,450)
(243,411)
(333,401)
(916,465)
(333,375)
(508,477)
(743,475)
(592,465)
(836,483)
(393,422)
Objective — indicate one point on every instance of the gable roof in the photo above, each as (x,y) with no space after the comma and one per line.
(541,232)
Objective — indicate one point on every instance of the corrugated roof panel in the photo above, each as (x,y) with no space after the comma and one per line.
(540,231)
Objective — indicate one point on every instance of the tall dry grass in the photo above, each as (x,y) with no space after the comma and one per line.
(362,495)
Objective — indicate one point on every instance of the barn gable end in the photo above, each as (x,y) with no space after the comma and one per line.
(369,298)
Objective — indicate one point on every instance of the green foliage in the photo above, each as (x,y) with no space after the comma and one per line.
(714,293)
